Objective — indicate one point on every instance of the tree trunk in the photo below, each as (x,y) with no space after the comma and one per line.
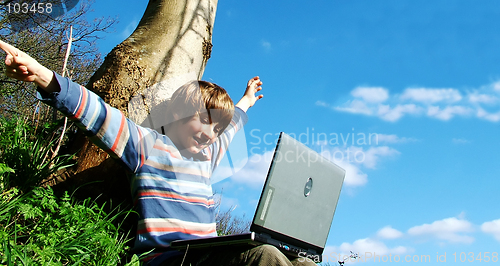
(170,46)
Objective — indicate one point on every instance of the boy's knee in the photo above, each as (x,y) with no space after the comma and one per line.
(271,255)
(269,249)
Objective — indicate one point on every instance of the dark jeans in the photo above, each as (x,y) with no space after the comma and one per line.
(263,255)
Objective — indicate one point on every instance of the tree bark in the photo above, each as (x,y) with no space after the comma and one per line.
(170,46)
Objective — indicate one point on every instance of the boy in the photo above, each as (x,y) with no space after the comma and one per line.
(170,173)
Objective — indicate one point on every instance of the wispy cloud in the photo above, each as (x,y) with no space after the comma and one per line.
(354,176)
(355,152)
(460,141)
(448,112)
(266,45)
(354,159)
(389,233)
(253,173)
(492,228)
(479,98)
(392,138)
(428,95)
(366,249)
(449,230)
(371,94)
(438,103)
(453,230)
(493,117)
(130,28)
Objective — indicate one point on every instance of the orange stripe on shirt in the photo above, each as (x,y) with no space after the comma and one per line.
(164,148)
(82,103)
(118,136)
(175,196)
(175,229)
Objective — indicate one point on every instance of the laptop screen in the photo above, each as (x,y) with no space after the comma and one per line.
(300,193)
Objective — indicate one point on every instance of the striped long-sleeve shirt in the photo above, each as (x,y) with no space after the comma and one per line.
(173,194)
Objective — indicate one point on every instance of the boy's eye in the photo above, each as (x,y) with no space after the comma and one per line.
(204,119)
(217,130)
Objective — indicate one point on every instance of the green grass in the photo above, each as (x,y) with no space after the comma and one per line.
(38,227)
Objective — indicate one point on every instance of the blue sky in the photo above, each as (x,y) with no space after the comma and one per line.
(423,77)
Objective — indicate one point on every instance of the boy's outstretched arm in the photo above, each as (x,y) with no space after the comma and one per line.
(21,66)
(249,98)
(106,126)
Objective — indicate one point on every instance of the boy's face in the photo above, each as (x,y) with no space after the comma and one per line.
(196,134)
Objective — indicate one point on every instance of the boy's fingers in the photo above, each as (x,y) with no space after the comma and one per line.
(255,83)
(252,80)
(9,49)
(24,69)
(18,61)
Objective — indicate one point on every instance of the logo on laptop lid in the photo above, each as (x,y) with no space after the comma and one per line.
(308,187)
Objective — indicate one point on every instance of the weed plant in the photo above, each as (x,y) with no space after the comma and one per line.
(29,153)
(36,226)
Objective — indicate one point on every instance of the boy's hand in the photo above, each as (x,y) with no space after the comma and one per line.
(249,98)
(22,67)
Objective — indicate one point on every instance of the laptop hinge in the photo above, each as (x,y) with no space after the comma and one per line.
(265,236)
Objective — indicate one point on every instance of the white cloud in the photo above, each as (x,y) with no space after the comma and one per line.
(451,230)
(353,175)
(493,228)
(481,113)
(383,138)
(374,154)
(496,86)
(130,28)
(254,173)
(321,103)
(387,113)
(356,107)
(426,95)
(460,141)
(266,45)
(352,158)
(389,233)
(366,248)
(448,112)
(371,94)
(478,98)
(226,203)
(443,104)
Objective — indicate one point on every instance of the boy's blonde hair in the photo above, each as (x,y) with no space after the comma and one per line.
(197,97)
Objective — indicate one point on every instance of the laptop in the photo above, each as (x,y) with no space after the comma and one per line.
(296,206)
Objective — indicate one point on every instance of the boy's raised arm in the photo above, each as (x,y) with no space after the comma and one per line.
(106,126)
(249,98)
(21,66)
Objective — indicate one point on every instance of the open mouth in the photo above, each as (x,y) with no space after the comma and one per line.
(199,142)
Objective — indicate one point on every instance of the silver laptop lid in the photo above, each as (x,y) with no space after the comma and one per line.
(300,193)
